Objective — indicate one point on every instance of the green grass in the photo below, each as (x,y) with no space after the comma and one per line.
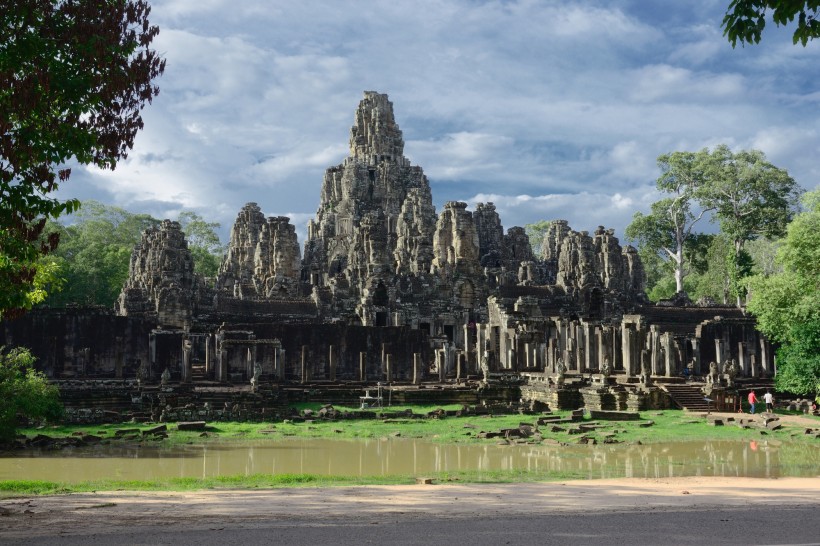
(669,426)
(15,488)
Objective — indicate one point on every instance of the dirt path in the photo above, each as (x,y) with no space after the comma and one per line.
(115,511)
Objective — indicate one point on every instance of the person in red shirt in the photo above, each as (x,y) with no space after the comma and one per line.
(752,401)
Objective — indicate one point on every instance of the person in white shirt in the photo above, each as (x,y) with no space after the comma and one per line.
(769,399)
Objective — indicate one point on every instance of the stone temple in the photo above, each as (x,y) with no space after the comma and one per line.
(388,290)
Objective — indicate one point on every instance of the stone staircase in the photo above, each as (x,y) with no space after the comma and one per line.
(688,396)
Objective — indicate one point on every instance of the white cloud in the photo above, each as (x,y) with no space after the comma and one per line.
(558,108)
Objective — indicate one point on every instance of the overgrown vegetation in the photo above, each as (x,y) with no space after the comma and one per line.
(24,392)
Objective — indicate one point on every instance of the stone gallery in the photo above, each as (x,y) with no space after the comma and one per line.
(389,291)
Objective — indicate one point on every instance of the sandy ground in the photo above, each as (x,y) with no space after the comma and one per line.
(111,512)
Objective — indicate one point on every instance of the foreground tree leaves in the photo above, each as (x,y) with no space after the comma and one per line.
(74,77)
(745,19)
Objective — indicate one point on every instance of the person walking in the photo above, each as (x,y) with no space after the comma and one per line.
(769,399)
(752,401)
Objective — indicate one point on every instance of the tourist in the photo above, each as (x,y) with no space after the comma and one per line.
(752,401)
(769,399)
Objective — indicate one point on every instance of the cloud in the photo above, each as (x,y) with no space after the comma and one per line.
(555,108)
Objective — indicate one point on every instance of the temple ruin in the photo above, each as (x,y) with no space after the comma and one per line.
(388,290)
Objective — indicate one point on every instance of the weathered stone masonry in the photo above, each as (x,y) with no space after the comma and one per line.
(388,290)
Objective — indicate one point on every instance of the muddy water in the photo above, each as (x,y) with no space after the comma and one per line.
(409,457)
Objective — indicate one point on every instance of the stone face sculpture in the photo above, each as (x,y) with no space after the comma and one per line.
(606,369)
(731,370)
(257,373)
(561,369)
(714,374)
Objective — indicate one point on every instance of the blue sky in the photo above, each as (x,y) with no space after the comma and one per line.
(550,109)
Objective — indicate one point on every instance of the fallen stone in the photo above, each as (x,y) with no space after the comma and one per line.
(159,429)
(616,415)
(646,424)
(191,425)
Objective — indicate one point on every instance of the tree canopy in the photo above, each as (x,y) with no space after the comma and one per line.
(24,392)
(203,242)
(74,77)
(750,198)
(745,194)
(95,253)
(745,19)
(787,304)
(536,232)
(669,225)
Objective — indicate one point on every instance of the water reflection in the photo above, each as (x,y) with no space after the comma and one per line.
(409,457)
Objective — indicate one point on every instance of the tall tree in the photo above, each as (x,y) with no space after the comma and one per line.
(203,241)
(787,304)
(74,77)
(745,19)
(670,224)
(536,232)
(751,198)
(95,253)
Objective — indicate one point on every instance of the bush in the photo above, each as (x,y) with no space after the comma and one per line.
(24,392)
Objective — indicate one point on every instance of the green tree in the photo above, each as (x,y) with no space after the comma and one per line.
(669,225)
(24,392)
(712,279)
(787,304)
(74,77)
(95,253)
(536,232)
(745,19)
(751,198)
(203,242)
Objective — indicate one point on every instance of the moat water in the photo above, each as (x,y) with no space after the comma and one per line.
(396,456)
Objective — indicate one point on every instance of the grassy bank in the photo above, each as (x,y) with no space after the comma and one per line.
(17,488)
(654,427)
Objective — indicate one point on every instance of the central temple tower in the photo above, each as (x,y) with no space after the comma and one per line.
(376,217)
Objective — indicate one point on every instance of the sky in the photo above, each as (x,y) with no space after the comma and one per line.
(549,109)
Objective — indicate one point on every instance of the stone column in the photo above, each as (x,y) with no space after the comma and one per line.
(209,359)
(667,342)
(305,370)
(459,364)
(385,349)
(222,366)
(440,364)
(362,366)
(186,361)
(655,350)
(743,361)
(331,361)
(719,355)
(765,361)
(695,342)
(481,340)
(588,334)
(628,346)
(388,365)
